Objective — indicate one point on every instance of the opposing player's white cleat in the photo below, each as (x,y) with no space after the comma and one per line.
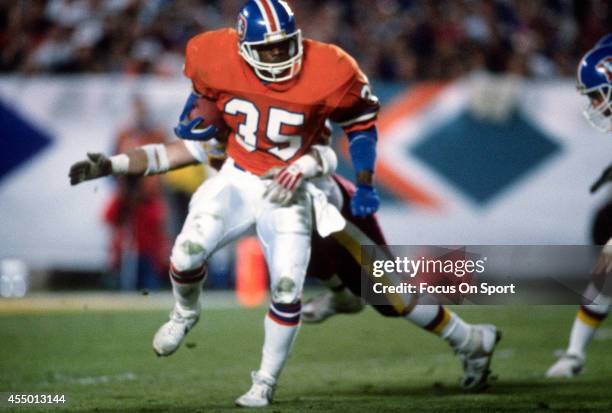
(476,354)
(261,392)
(568,366)
(327,304)
(169,336)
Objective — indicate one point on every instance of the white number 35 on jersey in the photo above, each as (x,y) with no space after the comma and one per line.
(246,135)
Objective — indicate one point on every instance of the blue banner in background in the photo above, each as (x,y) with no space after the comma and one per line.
(20,140)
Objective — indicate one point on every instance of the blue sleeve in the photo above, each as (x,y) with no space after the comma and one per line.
(362,148)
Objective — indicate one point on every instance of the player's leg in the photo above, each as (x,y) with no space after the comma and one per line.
(338,299)
(474,344)
(285,237)
(586,323)
(328,259)
(215,208)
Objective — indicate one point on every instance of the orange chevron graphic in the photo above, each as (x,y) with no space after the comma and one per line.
(403,106)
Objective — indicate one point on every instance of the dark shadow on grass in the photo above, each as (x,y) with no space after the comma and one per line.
(598,388)
(536,396)
(583,395)
(193,407)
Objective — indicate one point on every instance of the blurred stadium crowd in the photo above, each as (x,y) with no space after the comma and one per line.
(394,40)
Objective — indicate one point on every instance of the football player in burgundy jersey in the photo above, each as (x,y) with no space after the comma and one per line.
(594,77)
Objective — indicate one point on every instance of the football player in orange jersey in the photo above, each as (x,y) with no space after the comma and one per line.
(333,261)
(275,91)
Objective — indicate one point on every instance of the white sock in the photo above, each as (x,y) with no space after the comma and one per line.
(281,325)
(585,326)
(439,320)
(186,288)
(580,337)
(456,332)
(423,315)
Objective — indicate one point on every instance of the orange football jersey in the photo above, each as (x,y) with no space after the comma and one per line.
(273,124)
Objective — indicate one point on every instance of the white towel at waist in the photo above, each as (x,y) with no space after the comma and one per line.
(327,217)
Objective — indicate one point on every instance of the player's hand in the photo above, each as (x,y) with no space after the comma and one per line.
(285,183)
(365,201)
(188,129)
(606,176)
(95,166)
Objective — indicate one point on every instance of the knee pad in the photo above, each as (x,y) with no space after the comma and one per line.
(197,241)
(286,291)
(188,253)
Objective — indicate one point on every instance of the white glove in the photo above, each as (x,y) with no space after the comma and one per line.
(288,180)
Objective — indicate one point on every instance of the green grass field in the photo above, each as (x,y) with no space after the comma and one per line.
(103,362)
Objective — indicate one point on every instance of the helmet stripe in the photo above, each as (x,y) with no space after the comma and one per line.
(274,14)
(266,12)
(265,17)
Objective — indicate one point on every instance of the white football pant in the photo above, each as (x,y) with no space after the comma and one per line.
(228,205)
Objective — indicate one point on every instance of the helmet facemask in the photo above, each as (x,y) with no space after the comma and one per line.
(275,71)
(599,110)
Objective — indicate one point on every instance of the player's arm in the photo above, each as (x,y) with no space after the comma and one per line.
(321,160)
(143,161)
(356,113)
(606,176)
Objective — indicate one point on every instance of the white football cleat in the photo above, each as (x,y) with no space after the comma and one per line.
(327,304)
(261,392)
(568,366)
(476,354)
(169,336)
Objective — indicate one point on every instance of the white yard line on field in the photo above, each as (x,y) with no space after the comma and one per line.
(107,301)
(91,380)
